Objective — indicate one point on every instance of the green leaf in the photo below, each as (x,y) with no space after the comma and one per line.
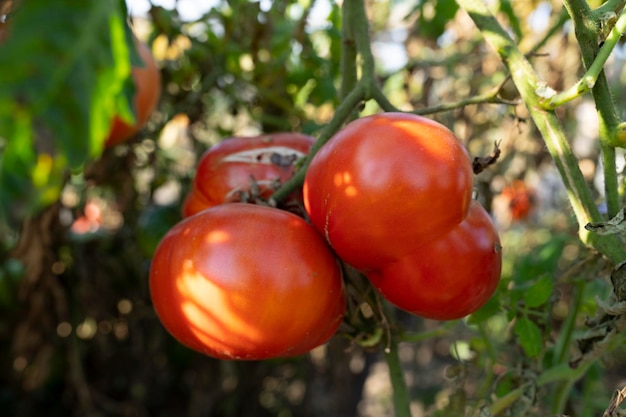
(529,337)
(62,69)
(491,308)
(539,292)
(560,372)
(541,260)
(434,16)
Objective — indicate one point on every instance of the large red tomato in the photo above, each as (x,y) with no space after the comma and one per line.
(386,184)
(148,91)
(450,277)
(230,170)
(245,281)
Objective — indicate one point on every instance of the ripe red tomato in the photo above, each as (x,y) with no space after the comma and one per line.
(245,281)
(386,184)
(194,203)
(450,277)
(230,170)
(148,91)
(519,198)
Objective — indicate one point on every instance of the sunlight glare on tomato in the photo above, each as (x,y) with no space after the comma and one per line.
(386,184)
(244,281)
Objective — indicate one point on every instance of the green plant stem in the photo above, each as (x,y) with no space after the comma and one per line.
(348,53)
(442,330)
(590,78)
(555,28)
(564,389)
(362,38)
(567,329)
(528,82)
(354,91)
(490,97)
(401,400)
(610,6)
(342,113)
(506,401)
(587,25)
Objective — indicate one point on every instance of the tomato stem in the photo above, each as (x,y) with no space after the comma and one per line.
(342,113)
(590,78)
(349,76)
(587,25)
(531,87)
(401,399)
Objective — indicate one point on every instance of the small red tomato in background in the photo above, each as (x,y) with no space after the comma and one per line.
(245,168)
(450,277)
(245,281)
(148,91)
(520,199)
(90,221)
(386,184)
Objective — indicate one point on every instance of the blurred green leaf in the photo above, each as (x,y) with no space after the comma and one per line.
(507,9)
(529,337)
(62,69)
(155,221)
(491,308)
(434,15)
(541,260)
(560,372)
(539,292)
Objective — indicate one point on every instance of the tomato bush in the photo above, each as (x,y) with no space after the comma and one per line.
(245,281)
(147,81)
(386,184)
(245,168)
(450,277)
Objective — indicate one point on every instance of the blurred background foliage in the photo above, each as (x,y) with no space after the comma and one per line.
(78,336)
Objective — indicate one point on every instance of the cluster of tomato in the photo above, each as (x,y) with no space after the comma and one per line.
(390,195)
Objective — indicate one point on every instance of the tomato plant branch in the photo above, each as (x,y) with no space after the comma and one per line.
(528,84)
(401,399)
(490,97)
(587,26)
(507,401)
(610,6)
(356,90)
(361,27)
(440,331)
(342,113)
(349,76)
(589,79)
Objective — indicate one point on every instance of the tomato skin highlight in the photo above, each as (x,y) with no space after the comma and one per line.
(249,282)
(386,184)
(229,169)
(147,94)
(450,277)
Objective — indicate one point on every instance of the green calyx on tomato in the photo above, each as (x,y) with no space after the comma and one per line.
(244,281)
